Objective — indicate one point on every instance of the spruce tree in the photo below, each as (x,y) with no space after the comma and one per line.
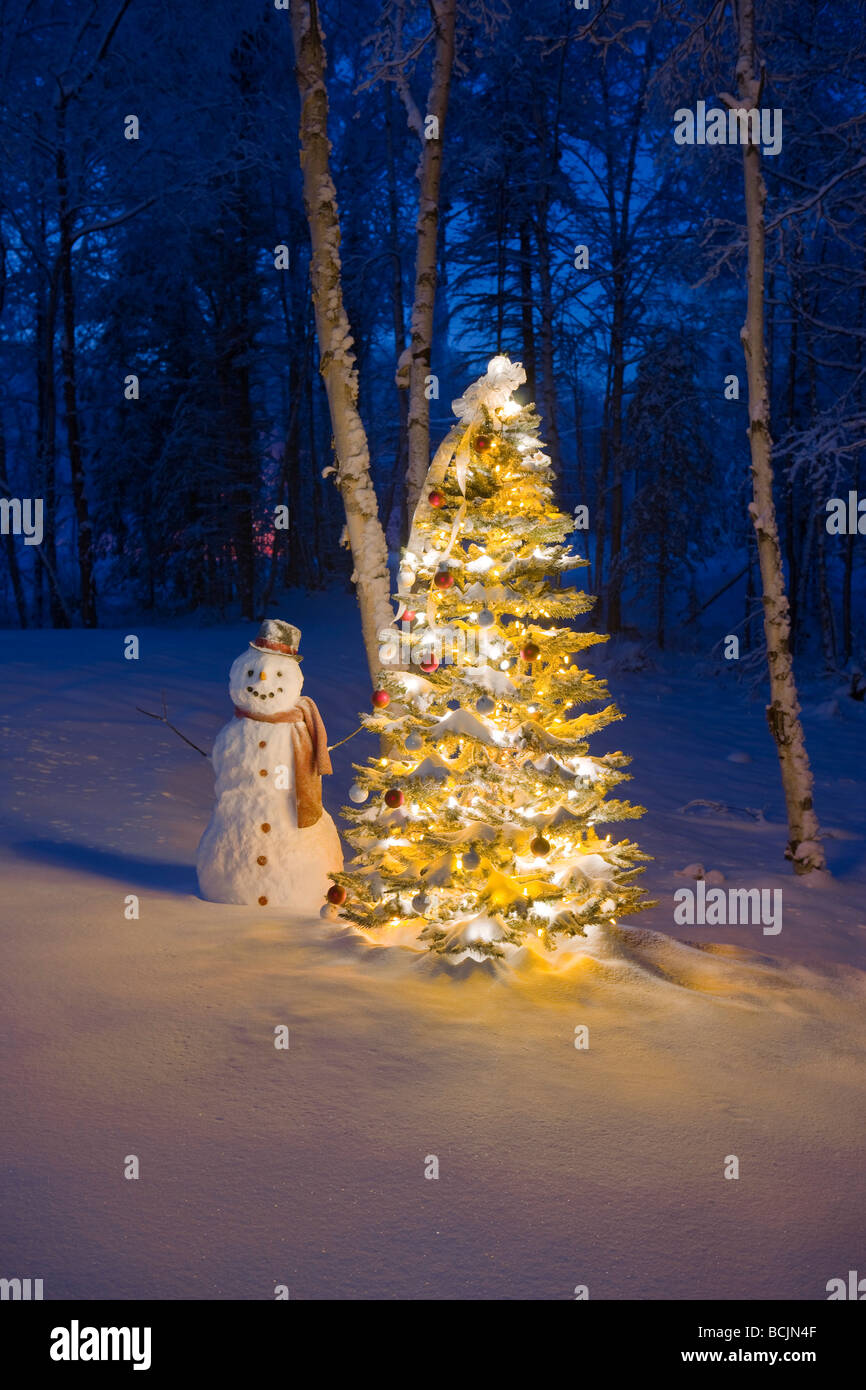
(482,820)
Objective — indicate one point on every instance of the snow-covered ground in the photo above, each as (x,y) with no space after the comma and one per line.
(557,1166)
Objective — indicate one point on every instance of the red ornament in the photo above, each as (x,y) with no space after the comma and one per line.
(482,443)
(394,798)
(409,616)
(337,894)
(443,579)
(429,664)
(435,498)
(529,652)
(381,698)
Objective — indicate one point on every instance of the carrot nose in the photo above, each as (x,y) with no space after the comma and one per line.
(262,676)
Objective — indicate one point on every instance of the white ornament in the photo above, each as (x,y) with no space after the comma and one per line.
(357,793)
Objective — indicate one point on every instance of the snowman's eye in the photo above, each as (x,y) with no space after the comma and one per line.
(279,673)
(249,673)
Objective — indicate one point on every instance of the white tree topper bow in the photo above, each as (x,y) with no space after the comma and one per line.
(492,390)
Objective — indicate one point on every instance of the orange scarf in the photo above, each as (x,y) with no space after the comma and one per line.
(310,745)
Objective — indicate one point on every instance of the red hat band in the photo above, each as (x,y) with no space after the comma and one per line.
(275,646)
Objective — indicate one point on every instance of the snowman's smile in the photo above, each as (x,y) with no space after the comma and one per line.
(263,694)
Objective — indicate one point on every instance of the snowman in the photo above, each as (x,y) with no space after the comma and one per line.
(269,841)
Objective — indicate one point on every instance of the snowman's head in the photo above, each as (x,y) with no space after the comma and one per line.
(263,682)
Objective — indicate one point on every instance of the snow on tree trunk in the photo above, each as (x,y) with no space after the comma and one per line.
(427,230)
(337,361)
(783,712)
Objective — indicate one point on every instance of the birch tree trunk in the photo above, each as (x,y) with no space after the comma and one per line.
(783,713)
(337,361)
(427,230)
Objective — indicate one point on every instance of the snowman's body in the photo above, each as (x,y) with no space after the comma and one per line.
(252,851)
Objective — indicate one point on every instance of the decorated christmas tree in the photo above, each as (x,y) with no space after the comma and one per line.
(483,819)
